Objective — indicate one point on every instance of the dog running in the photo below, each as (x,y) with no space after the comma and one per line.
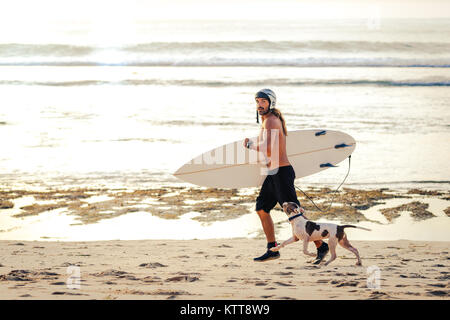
(311,231)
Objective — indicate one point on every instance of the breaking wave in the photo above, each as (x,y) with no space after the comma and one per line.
(251,83)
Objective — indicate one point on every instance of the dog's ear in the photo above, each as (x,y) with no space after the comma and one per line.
(290,207)
(298,209)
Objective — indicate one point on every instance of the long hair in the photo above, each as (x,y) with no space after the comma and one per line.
(278,114)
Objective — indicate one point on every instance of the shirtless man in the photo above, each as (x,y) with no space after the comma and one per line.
(279,183)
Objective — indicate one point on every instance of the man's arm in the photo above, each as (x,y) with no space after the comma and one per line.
(265,145)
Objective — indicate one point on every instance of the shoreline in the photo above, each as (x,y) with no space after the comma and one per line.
(161,213)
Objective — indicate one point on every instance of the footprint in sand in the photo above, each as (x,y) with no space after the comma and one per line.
(116,273)
(224,246)
(445,276)
(169,293)
(16,275)
(112,272)
(27,275)
(260,284)
(438,266)
(182,278)
(75,264)
(389,269)
(413,276)
(152,265)
(281,273)
(151,279)
(69,293)
(378,295)
(287,298)
(409,293)
(230,265)
(323,281)
(344,283)
(439,293)
(438,285)
(48,275)
(311,268)
(284,284)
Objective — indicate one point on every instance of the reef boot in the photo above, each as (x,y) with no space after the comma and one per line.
(269,255)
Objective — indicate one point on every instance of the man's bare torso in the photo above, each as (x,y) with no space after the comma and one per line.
(272,130)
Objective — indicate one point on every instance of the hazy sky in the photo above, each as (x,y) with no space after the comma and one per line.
(26,11)
(51,20)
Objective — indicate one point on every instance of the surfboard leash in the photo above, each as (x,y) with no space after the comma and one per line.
(334,193)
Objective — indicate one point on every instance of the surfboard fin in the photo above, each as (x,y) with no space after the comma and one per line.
(342,145)
(321,133)
(327,165)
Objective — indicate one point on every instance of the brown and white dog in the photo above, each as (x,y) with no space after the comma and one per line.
(310,231)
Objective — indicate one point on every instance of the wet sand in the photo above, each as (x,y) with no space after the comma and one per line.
(94,205)
(219,269)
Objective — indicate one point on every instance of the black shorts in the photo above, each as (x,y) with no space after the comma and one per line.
(278,187)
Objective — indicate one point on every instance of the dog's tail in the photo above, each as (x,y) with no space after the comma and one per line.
(352,226)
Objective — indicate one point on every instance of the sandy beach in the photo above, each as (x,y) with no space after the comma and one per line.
(198,264)
(219,269)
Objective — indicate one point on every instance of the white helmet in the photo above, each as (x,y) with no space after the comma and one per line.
(269,95)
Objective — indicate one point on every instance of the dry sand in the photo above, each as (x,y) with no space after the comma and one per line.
(219,269)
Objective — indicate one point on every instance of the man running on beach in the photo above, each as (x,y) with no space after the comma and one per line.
(279,183)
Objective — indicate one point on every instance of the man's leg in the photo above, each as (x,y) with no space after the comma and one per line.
(269,231)
(267,224)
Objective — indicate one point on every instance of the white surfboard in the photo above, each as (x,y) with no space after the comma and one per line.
(233,166)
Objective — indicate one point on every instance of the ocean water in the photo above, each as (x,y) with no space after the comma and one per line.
(80,109)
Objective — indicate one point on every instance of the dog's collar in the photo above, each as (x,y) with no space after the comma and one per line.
(296,216)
